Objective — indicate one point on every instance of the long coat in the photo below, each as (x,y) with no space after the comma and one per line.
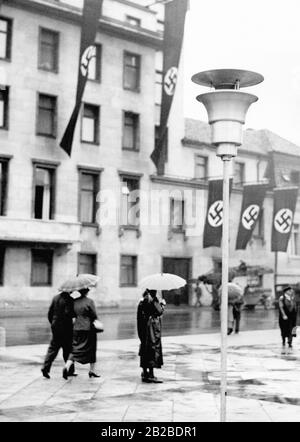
(149,314)
(290,310)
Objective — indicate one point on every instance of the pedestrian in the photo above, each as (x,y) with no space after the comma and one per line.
(84,345)
(198,292)
(287,315)
(236,312)
(149,312)
(60,315)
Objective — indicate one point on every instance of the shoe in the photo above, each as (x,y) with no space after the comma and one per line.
(236,331)
(45,373)
(230,330)
(154,380)
(93,375)
(65,373)
(290,345)
(72,374)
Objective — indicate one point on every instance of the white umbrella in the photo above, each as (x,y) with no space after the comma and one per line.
(81,281)
(162,281)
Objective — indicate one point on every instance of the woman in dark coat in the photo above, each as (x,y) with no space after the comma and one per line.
(84,344)
(149,313)
(287,315)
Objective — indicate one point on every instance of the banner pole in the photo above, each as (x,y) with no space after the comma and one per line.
(224,299)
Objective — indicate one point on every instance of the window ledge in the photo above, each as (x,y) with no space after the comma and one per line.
(132,228)
(91,143)
(46,135)
(128,149)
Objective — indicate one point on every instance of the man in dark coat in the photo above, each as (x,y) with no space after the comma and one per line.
(149,313)
(287,315)
(60,316)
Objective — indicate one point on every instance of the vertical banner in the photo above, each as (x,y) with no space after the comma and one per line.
(285,200)
(212,235)
(90,17)
(175,12)
(253,198)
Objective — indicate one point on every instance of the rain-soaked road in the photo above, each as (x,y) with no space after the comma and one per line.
(122,324)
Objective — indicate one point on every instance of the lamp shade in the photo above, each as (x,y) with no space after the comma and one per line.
(227,111)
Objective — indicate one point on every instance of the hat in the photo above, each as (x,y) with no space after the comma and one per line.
(287,288)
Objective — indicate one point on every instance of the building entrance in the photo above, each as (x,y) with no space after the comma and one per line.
(180,267)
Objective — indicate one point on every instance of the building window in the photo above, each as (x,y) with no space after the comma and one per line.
(5,38)
(128,273)
(48,50)
(133,21)
(130,213)
(201,167)
(41,267)
(239,173)
(177,215)
(89,188)
(43,192)
(132,67)
(259,229)
(94,69)
(130,131)
(2,261)
(3,185)
(87,263)
(90,124)
(295,240)
(4,94)
(295,177)
(46,124)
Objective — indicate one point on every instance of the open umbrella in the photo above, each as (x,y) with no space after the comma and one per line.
(81,281)
(162,281)
(235,292)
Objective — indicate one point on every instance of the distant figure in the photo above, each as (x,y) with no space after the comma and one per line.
(84,335)
(149,312)
(287,315)
(236,312)
(198,292)
(60,315)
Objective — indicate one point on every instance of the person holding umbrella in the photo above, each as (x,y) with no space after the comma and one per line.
(60,315)
(149,313)
(84,344)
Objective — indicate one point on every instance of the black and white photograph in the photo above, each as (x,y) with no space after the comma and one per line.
(149,214)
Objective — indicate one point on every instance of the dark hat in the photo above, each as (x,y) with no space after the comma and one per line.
(287,288)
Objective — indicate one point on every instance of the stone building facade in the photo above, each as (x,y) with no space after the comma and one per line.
(51,208)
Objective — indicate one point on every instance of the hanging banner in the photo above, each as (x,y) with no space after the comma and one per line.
(253,198)
(175,12)
(285,200)
(212,235)
(90,20)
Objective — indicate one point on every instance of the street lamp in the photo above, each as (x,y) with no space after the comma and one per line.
(226,107)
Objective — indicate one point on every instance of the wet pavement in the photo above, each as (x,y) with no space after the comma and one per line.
(263,382)
(121,324)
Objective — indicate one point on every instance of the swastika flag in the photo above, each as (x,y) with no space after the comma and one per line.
(253,198)
(212,234)
(174,21)
(285,200)
(90,19)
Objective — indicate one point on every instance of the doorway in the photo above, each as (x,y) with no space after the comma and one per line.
(180,267)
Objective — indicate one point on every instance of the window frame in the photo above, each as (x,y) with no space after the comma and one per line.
(243,170)
(177,228)
(135,271)
(135,129)
(96,141)
(4,200)
(55,69)
(50,270)
(95,263)
(54,116)
(5,108)
(293,245)
(137,88)
(52,167)
(205,158)
(8,49)
(2,264)
(133,177)
(97,174)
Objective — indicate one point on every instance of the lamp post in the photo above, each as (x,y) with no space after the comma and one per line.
(226,107)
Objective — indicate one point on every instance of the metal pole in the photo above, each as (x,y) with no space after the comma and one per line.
(224,300)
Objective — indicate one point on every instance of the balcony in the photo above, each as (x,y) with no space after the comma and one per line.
(30,232)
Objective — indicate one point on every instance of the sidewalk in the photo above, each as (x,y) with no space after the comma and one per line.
(263,383)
